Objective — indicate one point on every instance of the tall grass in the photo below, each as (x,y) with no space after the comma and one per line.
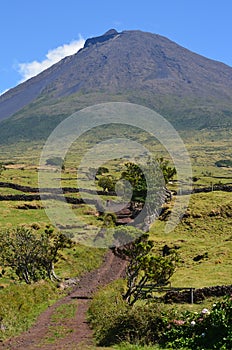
(21,304)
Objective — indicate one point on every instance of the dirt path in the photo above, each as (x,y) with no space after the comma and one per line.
(76,331)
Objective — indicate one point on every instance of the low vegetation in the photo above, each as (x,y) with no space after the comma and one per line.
(159,325)
(208,329)
(202,240)
(28,283)
(21,304)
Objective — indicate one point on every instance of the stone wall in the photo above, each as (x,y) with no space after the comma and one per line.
(198,295)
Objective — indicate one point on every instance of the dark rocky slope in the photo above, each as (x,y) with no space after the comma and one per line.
(190,90)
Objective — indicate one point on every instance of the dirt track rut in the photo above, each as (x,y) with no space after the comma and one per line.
(79,333)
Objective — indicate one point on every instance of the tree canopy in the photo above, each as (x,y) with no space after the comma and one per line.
(145,267)
(31,255)
(136,176)
(107,183)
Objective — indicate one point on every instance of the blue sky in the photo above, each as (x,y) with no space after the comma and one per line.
(35,34)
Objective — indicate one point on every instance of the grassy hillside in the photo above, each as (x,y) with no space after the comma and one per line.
(38,119)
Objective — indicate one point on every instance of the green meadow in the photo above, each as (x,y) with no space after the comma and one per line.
(205,228)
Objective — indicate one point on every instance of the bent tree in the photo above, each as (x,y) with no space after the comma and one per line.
(145,267)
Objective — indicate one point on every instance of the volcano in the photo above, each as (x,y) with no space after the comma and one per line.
(191,91)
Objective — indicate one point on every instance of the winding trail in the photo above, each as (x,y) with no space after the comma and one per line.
(78,332)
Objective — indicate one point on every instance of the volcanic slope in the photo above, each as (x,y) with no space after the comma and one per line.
(191,91)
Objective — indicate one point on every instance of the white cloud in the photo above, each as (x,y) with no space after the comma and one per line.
(30,69)
(3,92)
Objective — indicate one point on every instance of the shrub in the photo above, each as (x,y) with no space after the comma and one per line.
(102,170)
(31,256)
(114,321)
(207,330)
(107,183)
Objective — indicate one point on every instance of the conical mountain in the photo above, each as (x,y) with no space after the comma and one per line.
(191,91)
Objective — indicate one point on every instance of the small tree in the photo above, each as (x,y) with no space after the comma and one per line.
(51,245)
(107,183)
(31,255)
(102,170)
(136,177)
(146,267)
(168,171)
(134,174)
(19,250)
(149,188)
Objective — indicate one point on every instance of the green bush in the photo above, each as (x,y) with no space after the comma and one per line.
(31,256)
(207,330)
(107,183)
(114,321)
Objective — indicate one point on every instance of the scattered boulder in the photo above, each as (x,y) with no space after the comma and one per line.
(68,283)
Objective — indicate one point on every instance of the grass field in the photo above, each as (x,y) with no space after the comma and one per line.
(204,230)
(205,227)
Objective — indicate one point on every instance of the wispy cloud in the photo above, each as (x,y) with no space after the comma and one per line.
(30,69)
(3,92)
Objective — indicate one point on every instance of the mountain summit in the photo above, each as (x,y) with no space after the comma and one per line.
(100,39)
(134,66)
